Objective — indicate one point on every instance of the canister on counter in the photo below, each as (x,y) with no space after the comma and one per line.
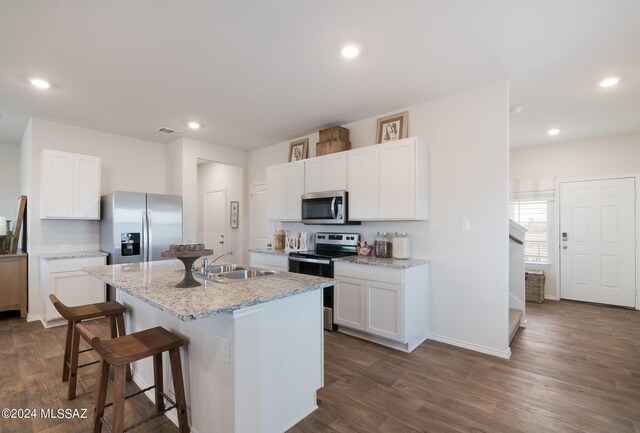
(382,245)
(401,246)
(278,240)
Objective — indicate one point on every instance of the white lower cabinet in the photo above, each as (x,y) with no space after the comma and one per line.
(278,262)
(383,304)
(66,279)
(385,310)
(349,303)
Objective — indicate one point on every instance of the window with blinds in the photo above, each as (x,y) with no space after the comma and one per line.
(533,216)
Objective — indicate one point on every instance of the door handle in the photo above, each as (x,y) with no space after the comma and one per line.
(564,247)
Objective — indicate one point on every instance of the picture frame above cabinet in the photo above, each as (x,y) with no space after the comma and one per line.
(70,186)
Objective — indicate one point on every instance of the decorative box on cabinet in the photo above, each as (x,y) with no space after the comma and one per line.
(385,305)
(70,186)
(13,283)
(396,184)
(285,186)
(73,286)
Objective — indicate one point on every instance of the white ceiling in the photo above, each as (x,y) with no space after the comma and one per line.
(263,71)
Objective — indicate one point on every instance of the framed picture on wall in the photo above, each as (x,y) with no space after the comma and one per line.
(235,210)
(298,150)
(392,127)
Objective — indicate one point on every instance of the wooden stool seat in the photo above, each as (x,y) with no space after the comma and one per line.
(121,351)
(74,315)
(134,347)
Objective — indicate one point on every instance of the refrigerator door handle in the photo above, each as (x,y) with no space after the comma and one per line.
(145,237)
(149,238)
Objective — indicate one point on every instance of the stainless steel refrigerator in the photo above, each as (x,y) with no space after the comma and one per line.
(137,227)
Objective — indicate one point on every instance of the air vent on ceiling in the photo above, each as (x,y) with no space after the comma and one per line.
(168,130)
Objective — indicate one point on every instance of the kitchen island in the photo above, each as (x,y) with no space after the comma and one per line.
(254,354)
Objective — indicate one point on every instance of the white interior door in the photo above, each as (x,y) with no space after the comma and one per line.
(215,220)
(597,241)
(260,234)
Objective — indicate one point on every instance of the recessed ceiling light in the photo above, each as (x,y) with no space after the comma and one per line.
(350,51)
(516,109)
(39,83)
(553,131)
(609,82)
(193,125)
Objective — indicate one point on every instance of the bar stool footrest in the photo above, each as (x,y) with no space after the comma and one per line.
(143,420)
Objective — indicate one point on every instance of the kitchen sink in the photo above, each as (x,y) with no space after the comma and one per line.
(214,271)
(219,269)
(244,274)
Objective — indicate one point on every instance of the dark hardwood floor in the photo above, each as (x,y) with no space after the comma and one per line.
(575,368)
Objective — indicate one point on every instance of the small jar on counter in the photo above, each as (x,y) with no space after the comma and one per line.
(278,239)
(382,245)
(401,246)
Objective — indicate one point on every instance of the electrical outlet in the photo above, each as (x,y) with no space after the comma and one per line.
(466,224)
(224,346)
(65,247)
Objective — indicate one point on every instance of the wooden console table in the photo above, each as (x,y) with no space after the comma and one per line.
(13,282)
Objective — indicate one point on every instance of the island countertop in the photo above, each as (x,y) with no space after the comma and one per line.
(154,283)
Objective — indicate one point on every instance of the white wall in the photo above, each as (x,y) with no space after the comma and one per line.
(617,154)
(213,176)
(9,179)
(468,138)
(128,164)
(182,177)
(603,156)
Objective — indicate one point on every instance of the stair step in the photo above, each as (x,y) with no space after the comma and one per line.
(514,322)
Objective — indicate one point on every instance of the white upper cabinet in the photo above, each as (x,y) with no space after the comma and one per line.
(362,183)
(404,180)
(70,186)
(285,186)
(389,181)
(326,173)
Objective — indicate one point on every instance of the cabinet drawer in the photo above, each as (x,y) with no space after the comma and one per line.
(369,272)
(280,261)
(68,265)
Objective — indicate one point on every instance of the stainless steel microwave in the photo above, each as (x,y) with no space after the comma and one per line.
(328,207)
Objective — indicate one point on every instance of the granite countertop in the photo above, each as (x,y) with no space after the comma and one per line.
(376,261)
(154,283)
(269,251)
(8,254)
(72,255)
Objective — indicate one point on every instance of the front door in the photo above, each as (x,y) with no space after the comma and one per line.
(597,241)
(215,221)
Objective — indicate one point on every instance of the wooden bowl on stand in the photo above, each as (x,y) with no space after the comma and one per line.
(187,258)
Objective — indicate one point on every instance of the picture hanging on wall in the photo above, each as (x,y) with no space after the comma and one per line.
(235,209)
(298,150)
(392,127)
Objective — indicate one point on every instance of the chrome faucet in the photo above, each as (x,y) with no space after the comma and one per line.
(205,265)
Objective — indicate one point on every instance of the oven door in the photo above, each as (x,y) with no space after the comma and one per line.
(319,266)
(324,208)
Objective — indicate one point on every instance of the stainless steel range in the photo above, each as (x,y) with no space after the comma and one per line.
(320,263)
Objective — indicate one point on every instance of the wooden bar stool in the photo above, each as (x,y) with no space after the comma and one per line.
(74,315)
(121,351)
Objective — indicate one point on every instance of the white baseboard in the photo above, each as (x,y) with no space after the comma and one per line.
(506,354)
(35,318)
(551,297)
(404,347)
